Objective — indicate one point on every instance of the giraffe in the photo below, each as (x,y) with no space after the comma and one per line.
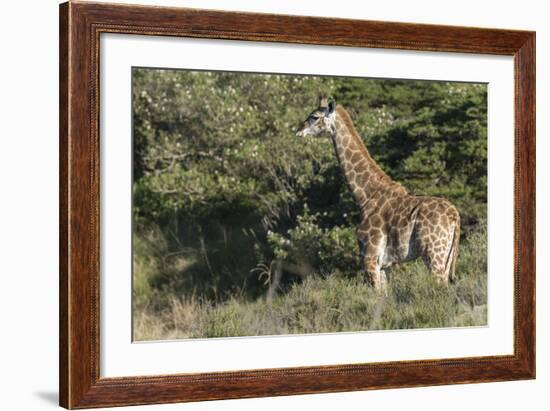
(395,226)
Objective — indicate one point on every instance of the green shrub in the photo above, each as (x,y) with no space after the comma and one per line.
(325,250)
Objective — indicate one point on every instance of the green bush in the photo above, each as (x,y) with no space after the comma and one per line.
(325,250)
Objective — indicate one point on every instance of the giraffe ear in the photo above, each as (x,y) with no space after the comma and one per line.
(331,106)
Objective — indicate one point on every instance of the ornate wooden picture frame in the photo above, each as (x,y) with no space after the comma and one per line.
(80,27)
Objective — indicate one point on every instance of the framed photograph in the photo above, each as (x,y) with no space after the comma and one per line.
(258,205)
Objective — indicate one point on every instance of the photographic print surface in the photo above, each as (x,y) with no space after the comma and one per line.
(269,204)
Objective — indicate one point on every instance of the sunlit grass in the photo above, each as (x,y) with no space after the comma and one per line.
(322,304)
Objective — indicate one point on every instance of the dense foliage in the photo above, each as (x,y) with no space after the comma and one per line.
(223,186)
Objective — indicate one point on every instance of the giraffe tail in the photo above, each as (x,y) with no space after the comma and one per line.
(453,253)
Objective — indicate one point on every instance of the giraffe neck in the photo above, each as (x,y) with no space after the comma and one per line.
(365,178)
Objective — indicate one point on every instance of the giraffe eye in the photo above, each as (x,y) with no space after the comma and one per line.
(313,119)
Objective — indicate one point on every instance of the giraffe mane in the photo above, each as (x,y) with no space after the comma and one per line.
(383,177)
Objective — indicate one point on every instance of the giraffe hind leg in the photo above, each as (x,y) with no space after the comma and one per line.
(453,253)
(435,259)
(443,259)
(433,247)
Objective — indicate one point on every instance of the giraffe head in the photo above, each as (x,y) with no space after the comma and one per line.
(322,119)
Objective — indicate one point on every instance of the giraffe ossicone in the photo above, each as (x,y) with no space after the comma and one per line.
(395,226)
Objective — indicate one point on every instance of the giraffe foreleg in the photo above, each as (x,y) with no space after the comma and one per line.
(372,249)
(374,274)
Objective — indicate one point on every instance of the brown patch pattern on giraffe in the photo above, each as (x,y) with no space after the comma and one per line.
(395,226)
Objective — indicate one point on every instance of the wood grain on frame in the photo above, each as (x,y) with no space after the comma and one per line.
(80,27)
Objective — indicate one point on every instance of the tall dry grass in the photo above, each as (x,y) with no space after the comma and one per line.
(333,303)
